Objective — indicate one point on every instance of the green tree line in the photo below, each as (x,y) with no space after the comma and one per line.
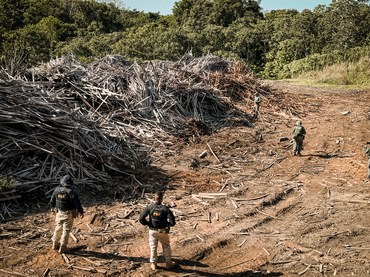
(275,44)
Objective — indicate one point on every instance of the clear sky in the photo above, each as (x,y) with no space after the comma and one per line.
(165,6)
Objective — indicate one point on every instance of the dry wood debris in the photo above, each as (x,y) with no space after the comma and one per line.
(106,119)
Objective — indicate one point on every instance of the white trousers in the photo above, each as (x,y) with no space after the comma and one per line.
(64,223)
(164,239)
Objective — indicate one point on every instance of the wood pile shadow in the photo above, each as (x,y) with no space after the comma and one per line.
(103,120)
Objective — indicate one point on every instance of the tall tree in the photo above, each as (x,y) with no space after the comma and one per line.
(345,24)
(11,14)
(152,41)
(197,14)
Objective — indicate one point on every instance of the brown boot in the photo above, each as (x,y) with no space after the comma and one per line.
(62,249)
(170,264)
(55,246)
(153,266)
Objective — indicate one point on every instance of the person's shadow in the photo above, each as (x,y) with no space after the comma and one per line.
(79,251)
(197,270)
(196,267)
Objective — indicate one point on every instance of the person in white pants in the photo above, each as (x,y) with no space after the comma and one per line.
(160,220)
(67,203)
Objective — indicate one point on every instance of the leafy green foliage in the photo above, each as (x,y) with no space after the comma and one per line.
(316,62)
(11,14)
(6,183)
(152,41)
(88,47)
(277,44)
(345,24)
(35,41)
(198,14)
(355,74)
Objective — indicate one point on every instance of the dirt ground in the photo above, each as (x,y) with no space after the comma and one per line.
(250,208)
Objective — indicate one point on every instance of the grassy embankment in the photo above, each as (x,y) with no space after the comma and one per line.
(349,75)
(350,69)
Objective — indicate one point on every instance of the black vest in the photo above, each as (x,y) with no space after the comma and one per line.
(158,216)
(64,199)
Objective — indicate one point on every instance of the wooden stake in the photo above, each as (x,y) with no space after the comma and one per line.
(93,218)
(352,201)
(65,258)
(46,272)
(213,153)
(234,204)
(304,270)
(73,237)
(240,245)
(264,249)
(12,272)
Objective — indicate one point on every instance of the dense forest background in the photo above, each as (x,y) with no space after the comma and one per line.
(275,44)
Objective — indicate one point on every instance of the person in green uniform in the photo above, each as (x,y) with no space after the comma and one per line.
(367,152)
(299,134)
(257,103)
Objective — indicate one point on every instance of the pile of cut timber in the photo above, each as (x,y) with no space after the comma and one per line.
(101,120)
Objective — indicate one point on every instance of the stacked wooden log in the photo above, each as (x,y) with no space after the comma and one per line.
(159,95)
(103,119)
(42,140)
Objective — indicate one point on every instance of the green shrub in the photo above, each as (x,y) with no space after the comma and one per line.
(319,61)
(6,183)
(344,73)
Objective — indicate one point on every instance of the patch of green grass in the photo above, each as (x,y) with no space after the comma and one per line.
(6,183)
(345,75)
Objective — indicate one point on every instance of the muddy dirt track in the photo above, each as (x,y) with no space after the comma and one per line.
(250,208)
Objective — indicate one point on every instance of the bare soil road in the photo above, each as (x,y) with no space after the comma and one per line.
(249,208)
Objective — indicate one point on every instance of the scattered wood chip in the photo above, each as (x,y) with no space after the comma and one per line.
(65,258)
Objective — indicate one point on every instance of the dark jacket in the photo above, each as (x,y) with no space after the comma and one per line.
(72,202)
(168,220)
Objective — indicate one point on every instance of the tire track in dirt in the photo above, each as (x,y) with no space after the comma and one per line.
(314,167)
(300,221)
(270,209)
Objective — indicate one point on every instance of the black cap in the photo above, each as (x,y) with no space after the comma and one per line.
(66,180)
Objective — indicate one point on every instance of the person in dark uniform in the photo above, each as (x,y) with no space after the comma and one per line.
(160,220)
(68,206)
